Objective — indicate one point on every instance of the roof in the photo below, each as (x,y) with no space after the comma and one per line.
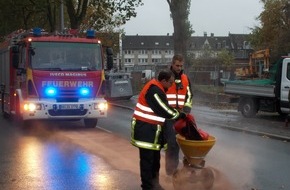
(148,42)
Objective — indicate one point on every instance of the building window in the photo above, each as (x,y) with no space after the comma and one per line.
(170,52)
(156,52)
(143,52)
(142,60)
(156,60)
(128,60)
(128,51)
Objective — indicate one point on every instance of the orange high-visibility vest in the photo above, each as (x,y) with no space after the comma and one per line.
(176,97)
(142,110)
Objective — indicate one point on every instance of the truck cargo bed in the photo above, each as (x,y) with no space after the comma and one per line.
(263,88)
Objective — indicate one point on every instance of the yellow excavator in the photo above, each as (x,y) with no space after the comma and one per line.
(259,65)
(259,62)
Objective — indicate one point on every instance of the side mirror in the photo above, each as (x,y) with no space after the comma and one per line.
(110,60)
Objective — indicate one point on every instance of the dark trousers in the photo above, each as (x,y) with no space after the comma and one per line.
(149,168)
(172,152)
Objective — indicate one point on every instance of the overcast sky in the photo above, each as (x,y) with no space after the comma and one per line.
(212,16)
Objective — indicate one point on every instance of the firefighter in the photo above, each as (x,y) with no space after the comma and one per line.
(146,131)
(179,96)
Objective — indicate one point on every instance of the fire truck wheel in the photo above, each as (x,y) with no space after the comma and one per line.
(18,116)
(5,115)
(90,123)
(27,124)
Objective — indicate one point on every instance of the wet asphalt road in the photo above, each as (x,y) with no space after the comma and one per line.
(245,151)
(40,158)
(72,157)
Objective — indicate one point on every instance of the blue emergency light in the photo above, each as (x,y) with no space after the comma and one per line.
(84,91)
(50,91)
(91,33)
(36,31)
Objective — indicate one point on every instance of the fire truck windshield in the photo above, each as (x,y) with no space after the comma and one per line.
(65,56)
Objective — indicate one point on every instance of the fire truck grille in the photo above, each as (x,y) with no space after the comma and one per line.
(68,93)
(67,112)
(66,99)
(67,96)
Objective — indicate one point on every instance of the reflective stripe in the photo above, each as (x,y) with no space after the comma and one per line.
(171,95)
(177,81)
(133,123)
(144,108)
(181,103)
(188,105)
(174,113)
(165,146)
(188,102)
(180,96)
(146,145)
(158,131)
(148,116)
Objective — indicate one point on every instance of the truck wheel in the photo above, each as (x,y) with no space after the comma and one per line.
(248,107)
(90,123)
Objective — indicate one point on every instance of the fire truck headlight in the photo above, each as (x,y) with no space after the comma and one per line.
(50,91)
(31,107)
(84,91)
(101,106)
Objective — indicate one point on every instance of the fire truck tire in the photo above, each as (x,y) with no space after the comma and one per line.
(18,116)
(27,124)
(90,123)
(248,107)
(4,114)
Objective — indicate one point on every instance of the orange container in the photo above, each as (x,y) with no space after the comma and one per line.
(195,150)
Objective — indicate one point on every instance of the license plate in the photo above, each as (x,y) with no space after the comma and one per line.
(69,106)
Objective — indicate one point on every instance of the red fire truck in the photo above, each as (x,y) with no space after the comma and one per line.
(53,76)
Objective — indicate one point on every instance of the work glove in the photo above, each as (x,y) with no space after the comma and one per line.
(186,109)
(182,115)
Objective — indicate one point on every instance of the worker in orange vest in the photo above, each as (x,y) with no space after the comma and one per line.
(147,134)
(179,96)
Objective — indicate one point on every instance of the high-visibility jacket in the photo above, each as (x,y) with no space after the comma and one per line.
(180,94)
(150,113)
(144,113)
